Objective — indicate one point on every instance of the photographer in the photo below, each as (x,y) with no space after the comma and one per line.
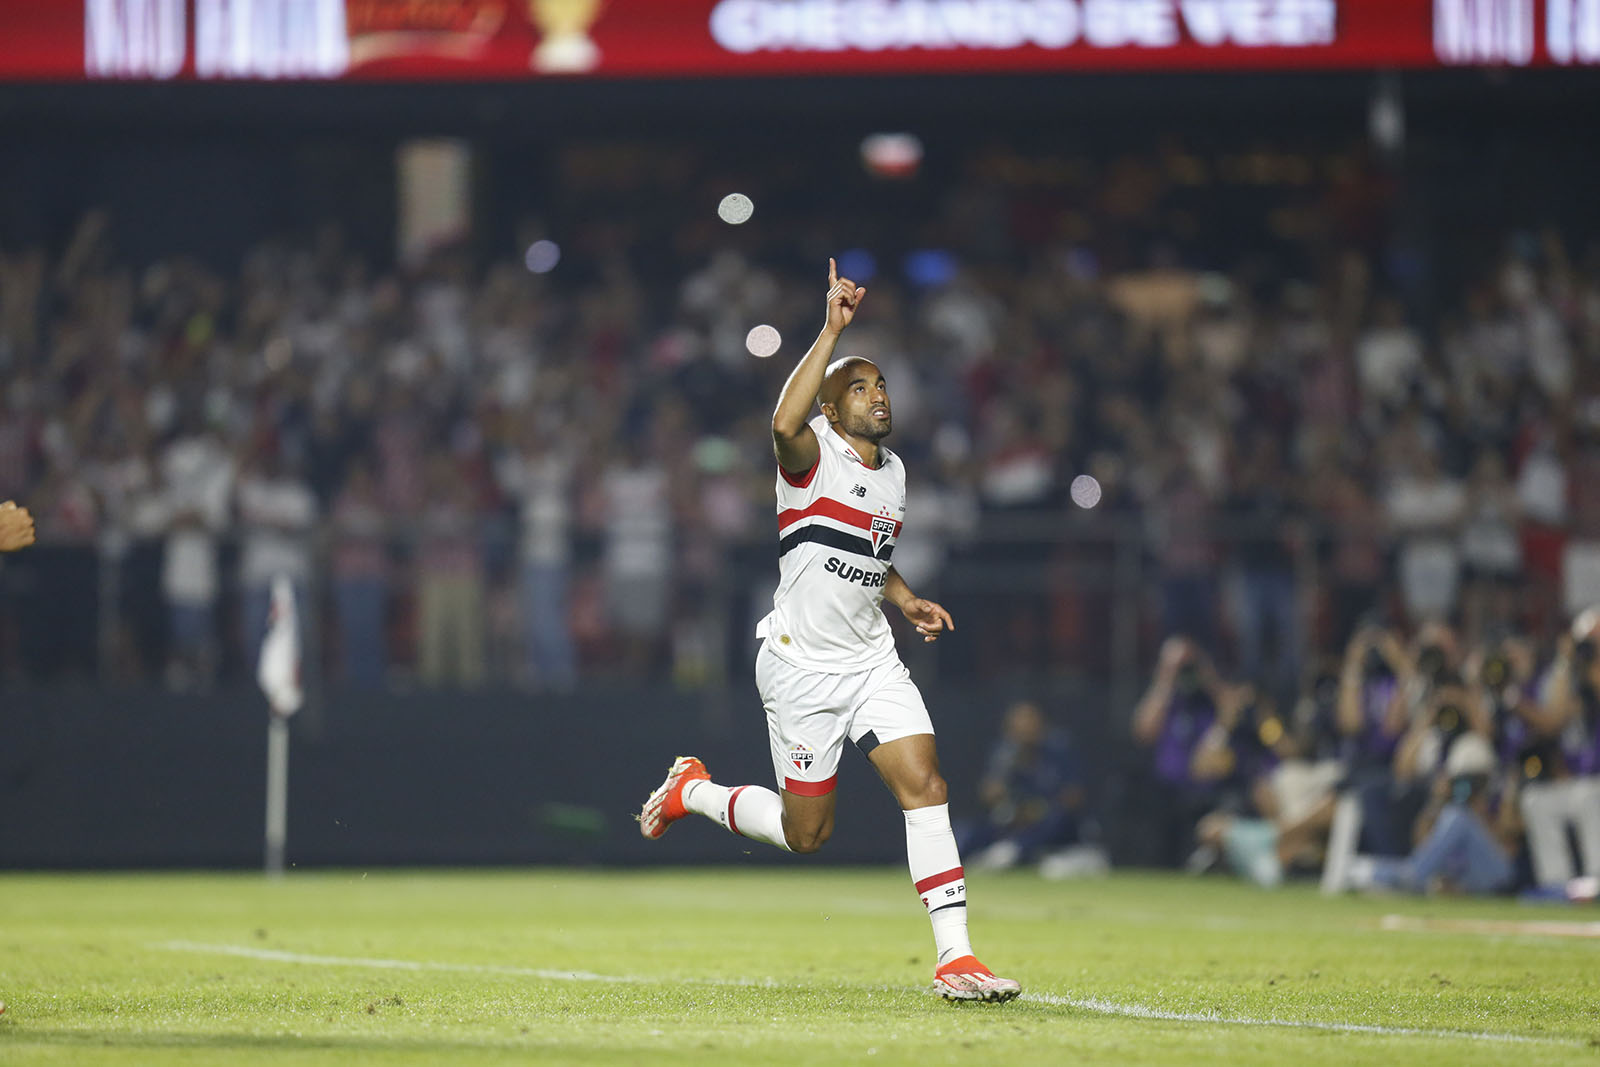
(1277,783)
(1453,710)
(1565,788)
(1371,710)
(1467,836)
(1171,719)
(1523,732)
(1378,682)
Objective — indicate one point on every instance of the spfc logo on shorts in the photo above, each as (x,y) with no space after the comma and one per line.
(801,757)
(882,530)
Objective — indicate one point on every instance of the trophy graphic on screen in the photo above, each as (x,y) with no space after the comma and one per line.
(566,47)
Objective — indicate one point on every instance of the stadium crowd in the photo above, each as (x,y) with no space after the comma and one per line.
(481,472)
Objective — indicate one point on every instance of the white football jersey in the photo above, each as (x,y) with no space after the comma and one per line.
(837,527)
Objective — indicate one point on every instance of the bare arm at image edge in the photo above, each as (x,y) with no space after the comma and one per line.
(16,527)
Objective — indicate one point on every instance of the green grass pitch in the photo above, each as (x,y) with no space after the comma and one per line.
(803,965)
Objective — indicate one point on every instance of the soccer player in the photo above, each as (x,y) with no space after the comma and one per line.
(827,669)
(16,527)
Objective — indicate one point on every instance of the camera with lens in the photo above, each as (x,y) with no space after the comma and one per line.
(1187,682)
(1433,665)
(1451,722)
(1255,734)
(1538,760)
(1496,672)
(1374,665)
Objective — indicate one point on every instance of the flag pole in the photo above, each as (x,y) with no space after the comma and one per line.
(277,792)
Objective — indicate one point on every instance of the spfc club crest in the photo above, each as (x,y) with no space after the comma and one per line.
(801,757)
(882,530)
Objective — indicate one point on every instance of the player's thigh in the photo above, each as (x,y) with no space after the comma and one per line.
(892,727)
(909,766)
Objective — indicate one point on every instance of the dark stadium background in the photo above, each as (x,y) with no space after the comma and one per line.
(102,763)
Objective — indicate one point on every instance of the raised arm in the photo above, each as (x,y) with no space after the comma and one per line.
(792,440)
(1150,715)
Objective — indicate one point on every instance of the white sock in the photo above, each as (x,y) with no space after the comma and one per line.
(759,815)
(936,871)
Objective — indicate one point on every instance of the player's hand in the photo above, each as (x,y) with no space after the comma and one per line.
(844,299)
(16,527)
(929,618)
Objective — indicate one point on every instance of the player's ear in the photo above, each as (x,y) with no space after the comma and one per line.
(830,413)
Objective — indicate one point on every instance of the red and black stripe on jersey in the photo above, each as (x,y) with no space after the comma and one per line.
(798,526)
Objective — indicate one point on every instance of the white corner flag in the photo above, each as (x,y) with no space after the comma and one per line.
(278,674)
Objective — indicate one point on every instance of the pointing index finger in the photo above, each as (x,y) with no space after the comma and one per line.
(833,273)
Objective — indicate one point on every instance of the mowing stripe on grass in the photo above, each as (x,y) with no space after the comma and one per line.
(1090,1004)
(1492,927)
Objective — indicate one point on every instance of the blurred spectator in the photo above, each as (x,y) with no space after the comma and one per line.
(1491,555)
(1580,561)
(539,477)
(638,559)
(1263,501)
(1542,496)
(1181,511)
(1032,794)
(1388,356)
(450,581)
(197,477)
(360,571)
(1355,565)
(1424,509)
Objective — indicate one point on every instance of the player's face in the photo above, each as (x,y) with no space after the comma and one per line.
(864,407)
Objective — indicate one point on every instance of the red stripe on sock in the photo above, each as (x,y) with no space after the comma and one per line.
(809,789)
(936,880)
(733,798)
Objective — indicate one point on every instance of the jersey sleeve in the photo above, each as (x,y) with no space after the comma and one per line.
(801,481)
(799,490)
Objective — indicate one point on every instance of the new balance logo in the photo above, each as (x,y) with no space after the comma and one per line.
(859,490)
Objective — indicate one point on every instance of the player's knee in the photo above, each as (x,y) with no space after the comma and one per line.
(927,791)
(807,839)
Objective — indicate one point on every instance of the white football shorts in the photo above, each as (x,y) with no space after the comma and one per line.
(809,715)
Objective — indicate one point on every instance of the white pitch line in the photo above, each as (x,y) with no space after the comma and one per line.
(1140,1011)
(1092,1004)
(279,956)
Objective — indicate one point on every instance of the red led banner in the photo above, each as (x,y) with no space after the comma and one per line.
(518,39)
